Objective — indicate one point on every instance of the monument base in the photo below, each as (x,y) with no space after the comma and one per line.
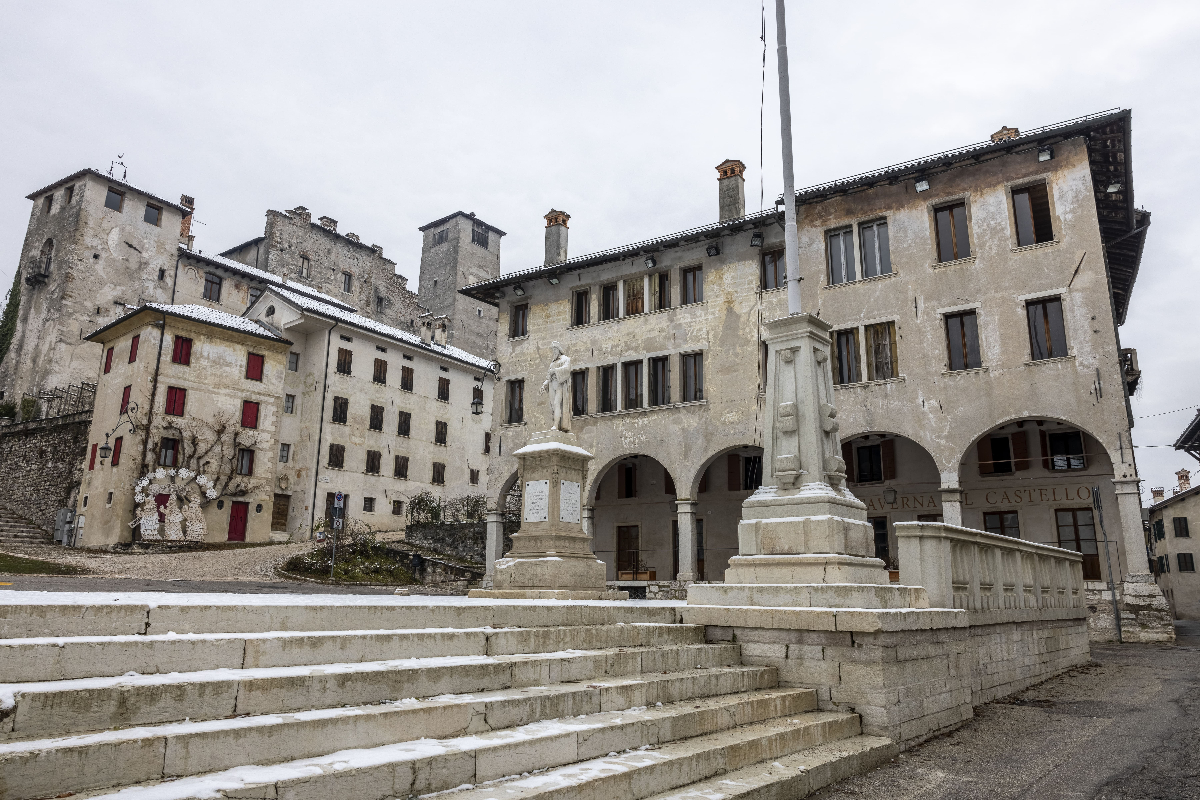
(548,594)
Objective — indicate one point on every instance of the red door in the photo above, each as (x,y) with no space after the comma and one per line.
(238,512)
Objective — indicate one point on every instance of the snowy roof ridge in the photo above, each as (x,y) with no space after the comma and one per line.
(209,316)
(269,278)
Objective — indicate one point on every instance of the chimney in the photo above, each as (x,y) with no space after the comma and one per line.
(1185,480)
(378,248)
(1005,132)
(300,213)
(185,224)
(440,324)
(731,189)
(556,237)
(1158,495)
(328,223)
(351,236)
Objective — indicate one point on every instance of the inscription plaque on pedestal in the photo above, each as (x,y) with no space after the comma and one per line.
(568,501)
(537,501)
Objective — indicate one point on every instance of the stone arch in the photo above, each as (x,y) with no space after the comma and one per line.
(971,446)
(506,488)
(693,485)
(632,514)
(596,474)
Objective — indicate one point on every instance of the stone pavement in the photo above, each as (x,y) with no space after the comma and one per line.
(1126,727)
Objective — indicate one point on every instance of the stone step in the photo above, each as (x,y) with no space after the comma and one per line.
(46,768)
(793,776)
(663,747)
(68,658)
(53,708)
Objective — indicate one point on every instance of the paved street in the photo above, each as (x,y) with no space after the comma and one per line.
(1126,727)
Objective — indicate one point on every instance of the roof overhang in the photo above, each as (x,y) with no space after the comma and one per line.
(106,177)
(1189,440)
(119,326)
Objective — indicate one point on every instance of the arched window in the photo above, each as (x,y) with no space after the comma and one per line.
(46,256)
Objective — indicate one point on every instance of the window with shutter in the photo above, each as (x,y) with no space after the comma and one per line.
(373,459)
(405,426)
(1178,523)
(345,361)
(887,454)
(337,455)
(401,467)
(439,473)
(176,400)
(108,361)
(249,414)
(92,458)
(1020,450)
(406,378)
(443,392)
(376,423)
(733,472)
(380,373)
(341,409)
(181,352)
(245,462)
(125,398)
(120,441)
(254,366)
(133,348)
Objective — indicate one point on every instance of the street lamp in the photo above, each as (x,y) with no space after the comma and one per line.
(126,419)
(889,495)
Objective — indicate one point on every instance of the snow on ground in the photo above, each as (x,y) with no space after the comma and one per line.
(155,599)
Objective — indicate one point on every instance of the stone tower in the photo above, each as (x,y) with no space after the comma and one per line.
(455,251)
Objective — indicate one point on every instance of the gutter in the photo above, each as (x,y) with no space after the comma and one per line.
(320,429)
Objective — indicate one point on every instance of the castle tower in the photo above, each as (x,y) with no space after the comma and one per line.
(455,251)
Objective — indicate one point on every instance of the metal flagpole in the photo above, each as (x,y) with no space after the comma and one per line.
(1112,588)
(790,237)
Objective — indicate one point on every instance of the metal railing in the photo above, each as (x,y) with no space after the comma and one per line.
(57,402)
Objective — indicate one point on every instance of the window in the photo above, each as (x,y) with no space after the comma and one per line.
(1186,562)
(293,362)
(114,199)
(379,375)
(1031,209)
(254,367)
(660,381)
(245,461)
(845,357)
(376,423)
(962,338)
(610,303)
(405,426)
(369,505)
(47,257)
(380,303)
(474,477)
(441,431)
(1178,523)
(516,401)
(255,293)
(880,535)
(439,474)
(518,322)
(440,237)
(176,399)
(108,361)
(406,356)
(373,459)
(1077,531)
(289,404)
(249,414)
(876,257)
(881,352)
(1003,523)
(285,453)
(876,462)
(347,282)
(119,442)
(952,240)
(443,393)
(397,508)
(487,442)
(479,235)
(125,398)
(626,480)
(995,455)
(840,246)
(381,348)
(212,287)
(69,195)
(133,347)
(153,215)
(660,291)
(1047,336)
(305,267)
(774,270)
(168,452)
(743,473)
(47,203)
(92,458)
(1066,450)
(341,409)
(401,468)
(635,296)
(579,393)
(693,377)
(693,285)
(870,463)
(181,351)
(337,455)
(631,377)
(581,308)
(608,388)
(406,378)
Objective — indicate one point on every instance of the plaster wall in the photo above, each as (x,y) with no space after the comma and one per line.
(1182,588)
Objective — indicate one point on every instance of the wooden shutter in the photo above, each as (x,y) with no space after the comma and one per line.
(133,348)
(108,361)
(92,460)
(985,456)
(249,414)
(1045,442)
(733,466)
(254,366)
(120,440)
(621,481)
(887,453)
(848,457)
(1020,450)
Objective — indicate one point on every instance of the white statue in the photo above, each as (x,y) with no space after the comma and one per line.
(558,383)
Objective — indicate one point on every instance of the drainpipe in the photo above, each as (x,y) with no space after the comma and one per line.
(162,337)
(175,280)
(320,429)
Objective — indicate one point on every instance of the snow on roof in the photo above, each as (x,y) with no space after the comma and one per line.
(268,278)
(105,176)
(366,323)
(209,316)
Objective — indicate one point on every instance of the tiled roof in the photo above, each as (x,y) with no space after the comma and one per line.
(110,179)
(266,277)
(209,316)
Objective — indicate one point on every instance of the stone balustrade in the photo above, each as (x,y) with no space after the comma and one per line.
(985,573)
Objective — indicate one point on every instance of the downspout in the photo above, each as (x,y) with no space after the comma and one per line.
(320,428)
(175,280)
(162,337)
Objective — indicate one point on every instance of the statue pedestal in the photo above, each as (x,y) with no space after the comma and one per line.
(551,558)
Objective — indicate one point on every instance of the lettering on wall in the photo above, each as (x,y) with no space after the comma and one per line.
(931,503)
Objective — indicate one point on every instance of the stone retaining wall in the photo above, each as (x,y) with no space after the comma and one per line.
(41,466)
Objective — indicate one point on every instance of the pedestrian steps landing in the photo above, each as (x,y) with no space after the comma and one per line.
(15,529)
(604,700)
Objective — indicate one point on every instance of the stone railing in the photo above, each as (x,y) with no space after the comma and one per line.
(985,572)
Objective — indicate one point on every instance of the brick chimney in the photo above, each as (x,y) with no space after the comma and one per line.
(185,224)
(1005,133)
(731,189)
(300,213)
(556,237)
(1185,480)
(1158,495)
(328,223)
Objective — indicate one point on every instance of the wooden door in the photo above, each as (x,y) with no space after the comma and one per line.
(238,514)
(628,551)
(1077,531)
(279,512)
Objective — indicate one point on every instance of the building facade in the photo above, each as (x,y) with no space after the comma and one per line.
(1172,552)
(456,251)
(975,296)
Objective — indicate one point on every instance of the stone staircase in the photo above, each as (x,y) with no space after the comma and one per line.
(18,530)
(376,698)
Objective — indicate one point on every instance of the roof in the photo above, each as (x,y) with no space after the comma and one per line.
(208,316)
(396,334)
(1189,440)
(1122,226)
(1166,501)
(247,243)
(470,216)
(269,278)
(110,179)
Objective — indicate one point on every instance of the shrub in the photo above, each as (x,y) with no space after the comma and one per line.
(30,409)
(8,409)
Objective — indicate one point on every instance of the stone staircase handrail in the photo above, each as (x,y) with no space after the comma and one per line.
(978,571)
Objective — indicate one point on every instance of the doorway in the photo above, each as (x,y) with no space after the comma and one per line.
(239,512)
(880,526)
(629,553)
(279,512)
(1077,531)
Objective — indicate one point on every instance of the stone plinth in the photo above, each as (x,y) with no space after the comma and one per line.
(551,557)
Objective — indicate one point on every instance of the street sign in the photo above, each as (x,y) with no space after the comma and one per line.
(337,524)
(339,500)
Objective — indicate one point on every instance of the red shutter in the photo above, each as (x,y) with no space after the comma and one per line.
(985,456)
(92,460)
(176,400)
(1020,450)
(125,398)
(108,361)
(249,414)
(1045,449)
(668,482)
(254,366)
(187,353)
(733,466)
(887,454)
(133,345)
(116,454)
(182,353)
(848,457)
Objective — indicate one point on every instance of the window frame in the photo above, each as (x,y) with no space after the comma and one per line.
(660,291)
(158,215)
(514,401)
(164,449)
(181,351)
(347,282)
(691,367)
(256,365)
(213,284)
(772,271)
(871,341)
(1036,233)
(293,362)
(610,396)
(692,280)
(1046,329)
(846,373)
(880,253)
(658,384)
(964,340)
(610,302)
(581,307)
(338,450)
(518,321)
(120,209)
(579,393)
(841,269)
(1002,527)
(635,400)
(345,361)
(955,251)
(285,452)
(289,404)
(250,407)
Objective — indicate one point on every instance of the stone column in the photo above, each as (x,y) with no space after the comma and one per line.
(1145,613)
(493,546)
(589,526)
(685,511)
(1125,526)
(952,505)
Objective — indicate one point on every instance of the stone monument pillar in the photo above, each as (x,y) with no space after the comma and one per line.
(804,539)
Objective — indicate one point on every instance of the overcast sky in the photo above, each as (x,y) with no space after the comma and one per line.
(387,116)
